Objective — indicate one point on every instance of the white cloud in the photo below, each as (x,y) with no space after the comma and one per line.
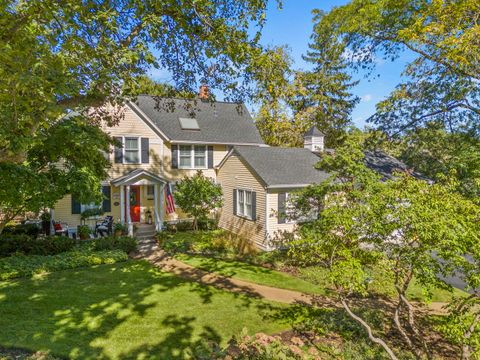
(366,97)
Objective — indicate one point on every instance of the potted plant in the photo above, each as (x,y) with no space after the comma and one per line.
(119,229)
(46,221)
(83,232)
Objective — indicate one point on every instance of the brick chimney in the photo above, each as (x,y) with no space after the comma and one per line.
(313,140)
(204,93)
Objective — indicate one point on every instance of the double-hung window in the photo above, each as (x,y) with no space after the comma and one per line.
(132,150)
(244,203)
(192,157)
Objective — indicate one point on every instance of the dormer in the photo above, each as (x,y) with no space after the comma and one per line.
(313,140)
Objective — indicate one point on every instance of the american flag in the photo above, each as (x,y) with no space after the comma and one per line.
(169,199)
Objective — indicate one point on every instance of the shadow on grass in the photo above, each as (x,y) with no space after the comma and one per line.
(123,311)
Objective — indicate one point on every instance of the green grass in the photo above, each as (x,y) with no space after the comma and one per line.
(313,280)
(253,273)
(124,311)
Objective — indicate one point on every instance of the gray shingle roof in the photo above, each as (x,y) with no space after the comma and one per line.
(313,131)
(386,165)
(292,167)
(220,122)
(279,167)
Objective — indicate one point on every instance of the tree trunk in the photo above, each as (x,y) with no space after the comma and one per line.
(367,327)
(195,224)
(466,349)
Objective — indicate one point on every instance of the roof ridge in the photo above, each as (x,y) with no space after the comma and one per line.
(193,99)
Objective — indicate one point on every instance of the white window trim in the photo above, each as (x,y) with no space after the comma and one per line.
(242,213)
(139,142)
(192,158)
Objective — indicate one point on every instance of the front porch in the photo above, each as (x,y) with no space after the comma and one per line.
(141,199)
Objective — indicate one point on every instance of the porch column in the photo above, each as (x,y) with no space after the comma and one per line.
(161,206)
(122,204)
(156,208)
(129,220)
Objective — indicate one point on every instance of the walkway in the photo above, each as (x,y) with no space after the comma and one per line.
(149,250)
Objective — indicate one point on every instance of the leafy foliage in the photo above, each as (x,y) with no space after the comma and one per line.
(25,266)
(27,245)
(75,58)
(198,196)
(293,100)
(125,243)
(441,82)
(407,226)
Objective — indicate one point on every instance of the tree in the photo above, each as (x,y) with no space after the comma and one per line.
(76,57)
(198,196)
(294,100)
(435,152)
(68,158)
(408,227)
(326,89)
(144,85)
(441,82)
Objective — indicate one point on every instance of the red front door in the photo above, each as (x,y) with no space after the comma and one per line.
(134,203)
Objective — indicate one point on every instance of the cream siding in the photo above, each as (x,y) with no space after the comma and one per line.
(276,230)
(131,124)
(234,174)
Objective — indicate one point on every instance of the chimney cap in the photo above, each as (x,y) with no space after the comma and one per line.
(314,132)
(204,92)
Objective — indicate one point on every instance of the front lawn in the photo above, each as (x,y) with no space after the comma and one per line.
(253,273)
(124,311)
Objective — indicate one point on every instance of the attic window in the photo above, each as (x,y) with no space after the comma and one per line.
(189,124)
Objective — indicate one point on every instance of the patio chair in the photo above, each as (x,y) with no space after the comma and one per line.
(104,227)
(60,228)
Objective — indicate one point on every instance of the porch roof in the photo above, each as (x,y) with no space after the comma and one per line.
(136,175)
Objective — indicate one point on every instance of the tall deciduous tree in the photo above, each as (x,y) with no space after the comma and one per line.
(442,81)
(56,57)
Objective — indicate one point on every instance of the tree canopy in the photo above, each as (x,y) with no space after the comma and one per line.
(57,58)
(441,82)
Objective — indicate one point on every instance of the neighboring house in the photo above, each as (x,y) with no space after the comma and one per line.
(257,181)
(163,140)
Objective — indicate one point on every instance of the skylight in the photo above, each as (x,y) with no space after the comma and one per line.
(189,124)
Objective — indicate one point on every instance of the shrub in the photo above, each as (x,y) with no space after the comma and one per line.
(24,244)
(124,243)
(26,229)
(25,266)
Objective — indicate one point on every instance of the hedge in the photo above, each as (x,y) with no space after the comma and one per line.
(27,245)
(25,266)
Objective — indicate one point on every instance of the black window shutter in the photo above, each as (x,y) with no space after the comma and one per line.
(118,150)
(234,201)
(254,205)
(210,157)
(76,206)
(106,203)
(281,208)
(145,150)
(174,156)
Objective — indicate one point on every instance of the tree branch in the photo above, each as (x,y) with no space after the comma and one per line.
(367,327)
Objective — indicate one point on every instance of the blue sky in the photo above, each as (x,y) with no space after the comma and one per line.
(292,25)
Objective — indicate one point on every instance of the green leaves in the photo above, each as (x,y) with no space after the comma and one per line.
(198,196)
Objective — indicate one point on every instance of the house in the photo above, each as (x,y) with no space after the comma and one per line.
(257,181)
(163,140)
